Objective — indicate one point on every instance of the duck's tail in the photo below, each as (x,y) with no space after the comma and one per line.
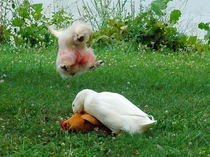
(138,123)
(146,127)
(151,117)
(148,124)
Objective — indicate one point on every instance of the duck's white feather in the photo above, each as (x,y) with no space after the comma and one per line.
(113,110)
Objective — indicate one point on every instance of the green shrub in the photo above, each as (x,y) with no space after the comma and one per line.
(148,30)
(102,11)
(113,26)
(206,27)
(27,26)
(61,19)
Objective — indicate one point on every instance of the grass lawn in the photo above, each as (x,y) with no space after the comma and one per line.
(175,89)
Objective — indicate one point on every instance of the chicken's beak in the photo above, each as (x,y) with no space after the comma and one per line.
(65,126)
(81,39)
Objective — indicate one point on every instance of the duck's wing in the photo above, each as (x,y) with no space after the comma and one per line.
(120,104)
(118,113)
(106,113)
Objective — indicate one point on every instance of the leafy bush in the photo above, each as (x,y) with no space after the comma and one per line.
(28,24)
(113,26)
(102,11)
(147,30)
(206,27)
(61,19)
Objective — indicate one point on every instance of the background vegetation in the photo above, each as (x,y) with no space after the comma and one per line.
(112,24)
(162,71)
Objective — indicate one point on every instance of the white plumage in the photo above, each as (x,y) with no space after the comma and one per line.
(73,55)
(114,111)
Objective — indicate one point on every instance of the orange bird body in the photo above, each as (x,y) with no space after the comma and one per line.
(84,122)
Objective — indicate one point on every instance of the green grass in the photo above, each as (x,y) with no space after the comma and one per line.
(174,88)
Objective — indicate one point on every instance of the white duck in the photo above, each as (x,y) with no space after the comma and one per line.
(114,111)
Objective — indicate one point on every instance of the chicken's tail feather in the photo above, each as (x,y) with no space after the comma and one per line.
(56,33)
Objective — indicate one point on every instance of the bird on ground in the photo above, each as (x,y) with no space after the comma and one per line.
(83,122)
(114,111)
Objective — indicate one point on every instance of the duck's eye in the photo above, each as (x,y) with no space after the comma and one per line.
(73,105)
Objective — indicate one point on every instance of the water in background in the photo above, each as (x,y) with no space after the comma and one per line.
(193,11)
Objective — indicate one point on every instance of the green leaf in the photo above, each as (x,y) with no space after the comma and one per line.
(23,12)
(13,6)
(174,16)
(17,22)
(192,40)
(37,8)
(207,36)
(158,6)
(204,26)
